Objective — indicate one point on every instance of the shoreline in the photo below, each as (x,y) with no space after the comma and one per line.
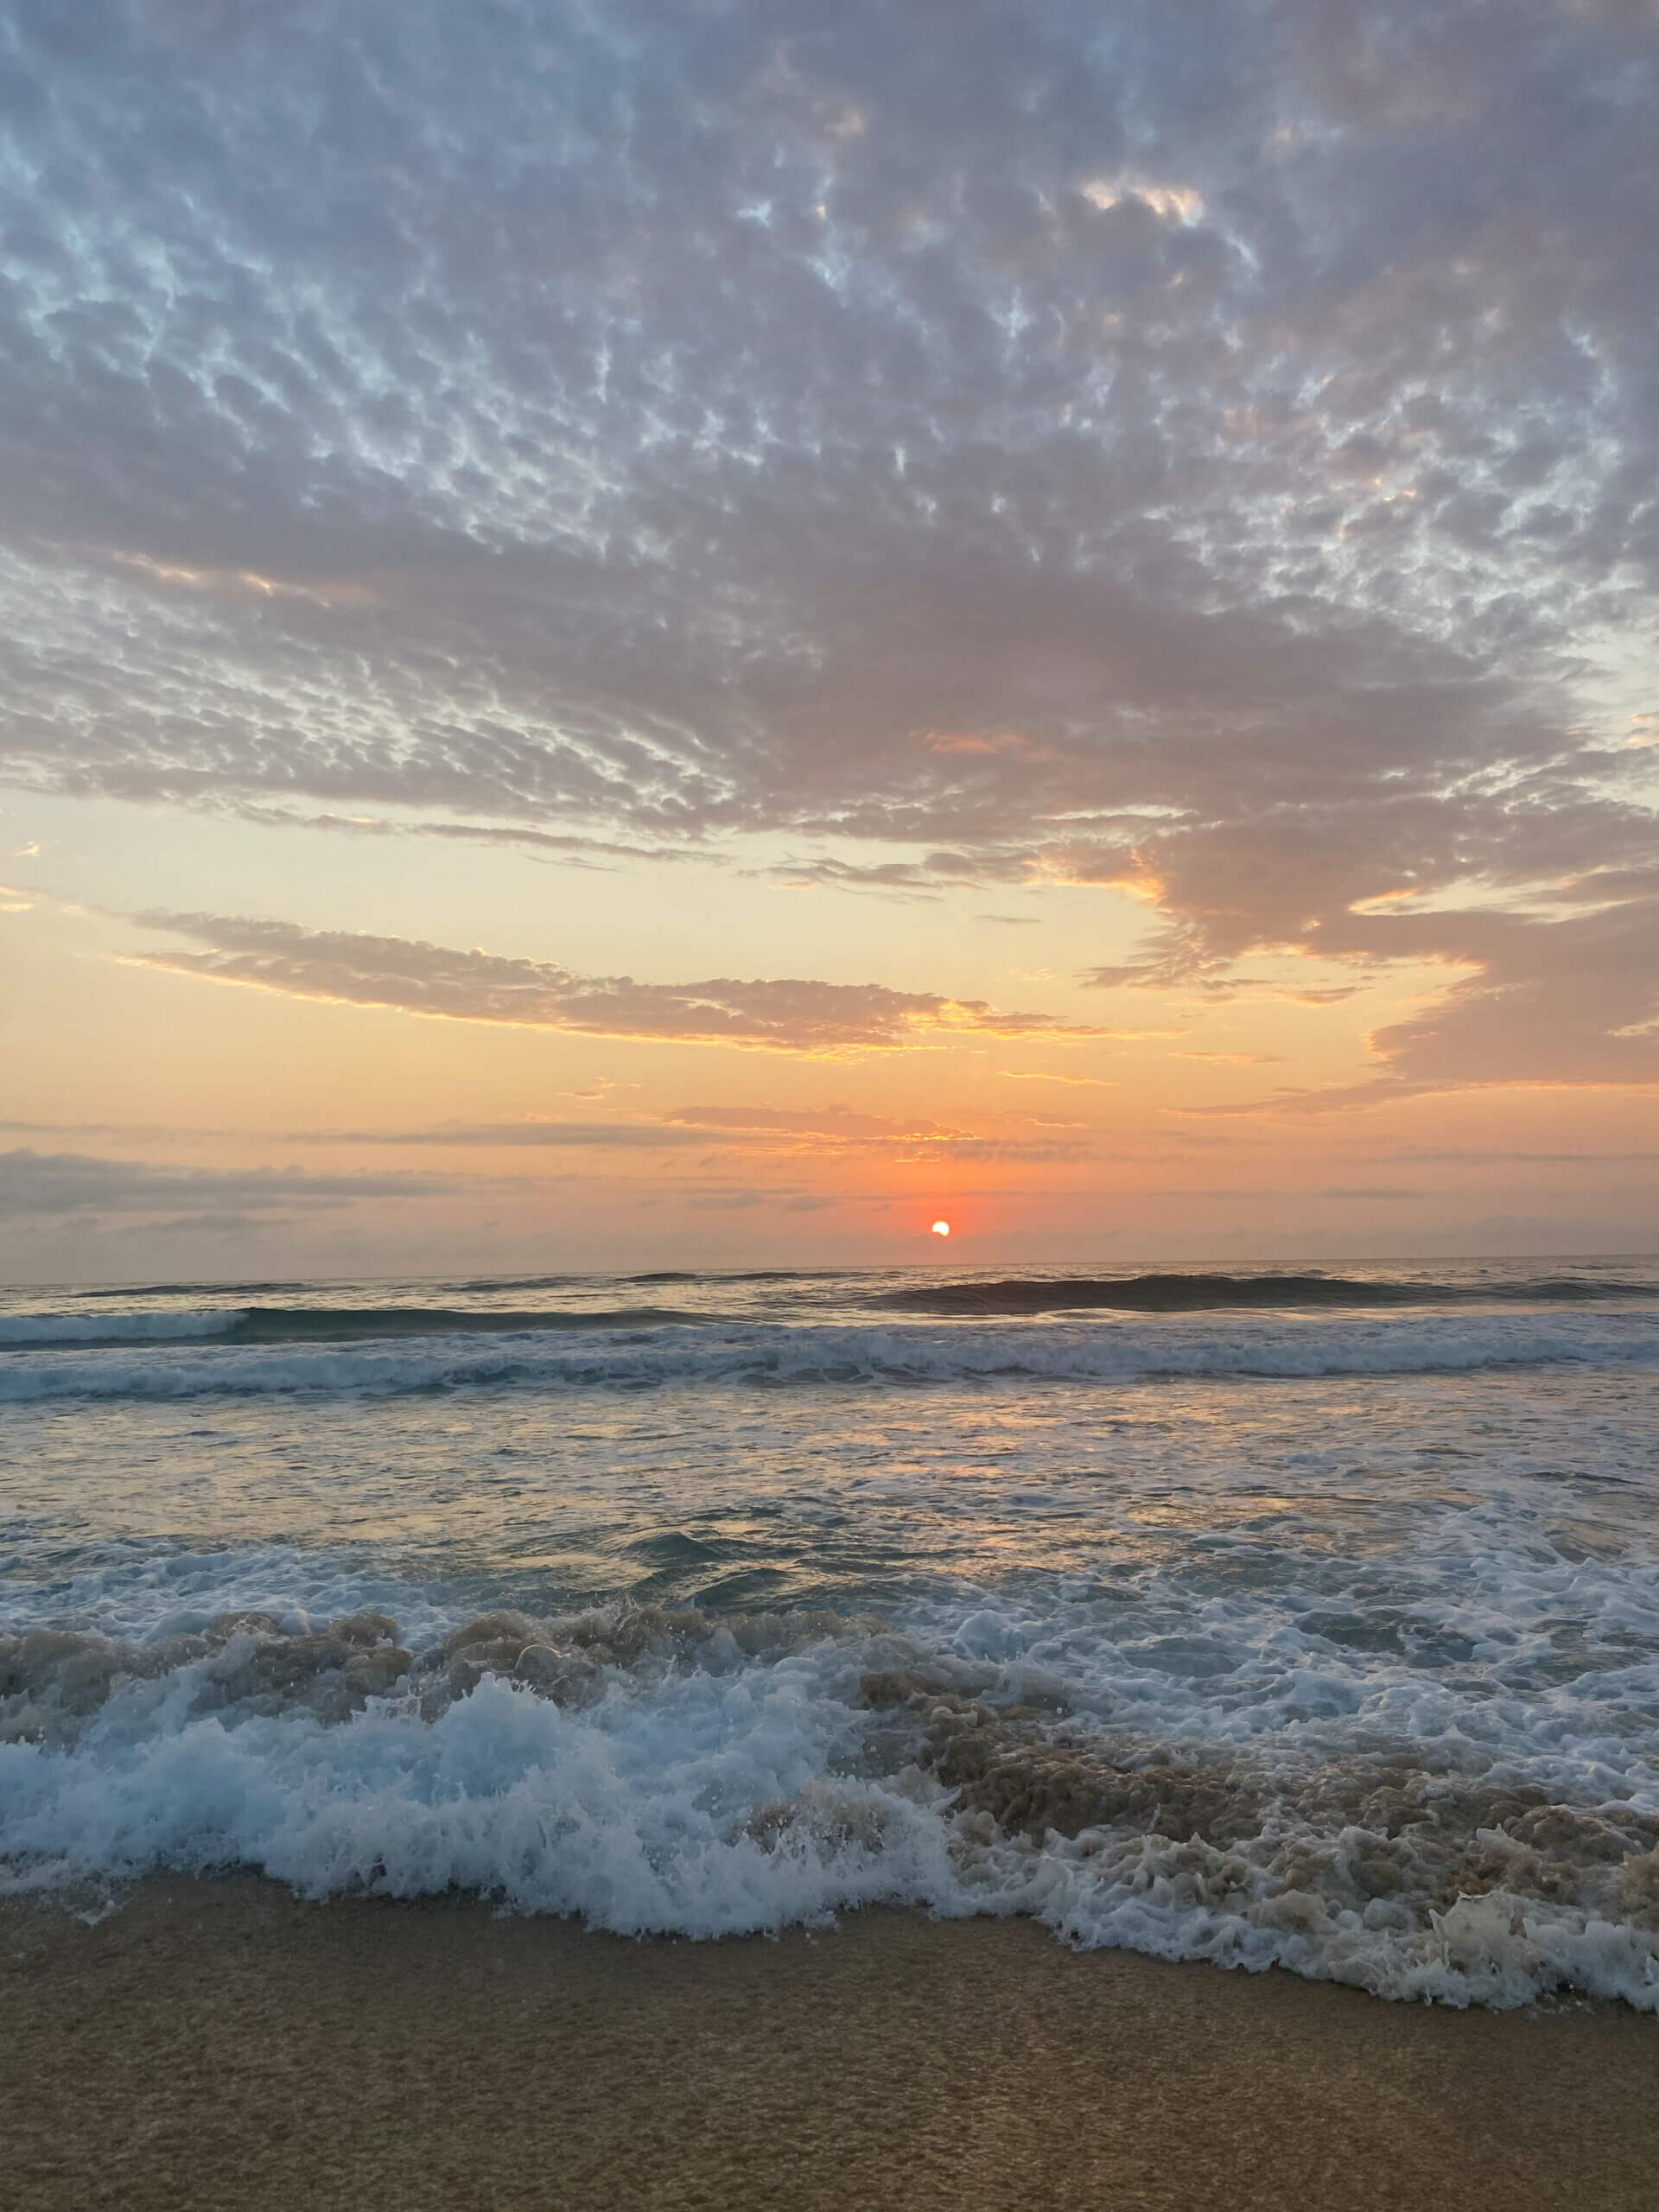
(219,2042)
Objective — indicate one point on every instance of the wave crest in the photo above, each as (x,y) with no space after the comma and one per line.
(899,1355)
(1199,1292)
(657,1770)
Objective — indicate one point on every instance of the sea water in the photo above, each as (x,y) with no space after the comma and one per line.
(1308,1620)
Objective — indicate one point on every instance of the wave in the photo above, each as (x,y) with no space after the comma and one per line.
(299,1324)
(647,1348)
(189,1290)
(25,1329)
(1172,1294)
(677,1773)
(1200,1292)
(343,1324)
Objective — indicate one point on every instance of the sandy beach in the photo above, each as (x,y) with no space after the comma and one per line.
(215,2043)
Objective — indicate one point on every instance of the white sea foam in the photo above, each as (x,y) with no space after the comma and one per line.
(141,1592)
(1356,1676)
(1105,1350)
(118,1327)
(638,1814)
(662,1785)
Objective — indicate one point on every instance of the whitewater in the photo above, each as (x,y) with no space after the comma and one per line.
(1299,1619)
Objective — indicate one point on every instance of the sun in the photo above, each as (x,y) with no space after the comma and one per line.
(941,1229)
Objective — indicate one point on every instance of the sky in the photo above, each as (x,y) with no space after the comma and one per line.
(644,632)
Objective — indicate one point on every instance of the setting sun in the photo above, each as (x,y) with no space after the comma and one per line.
(941,1229)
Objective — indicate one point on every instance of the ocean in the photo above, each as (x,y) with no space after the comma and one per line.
(1308,1620)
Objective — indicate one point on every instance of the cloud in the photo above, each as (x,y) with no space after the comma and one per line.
(534,1135)
(756,1130)
(1544,1003)
(828,1131)
(1574,1000)
(983,446)
(927,878)
(841,1123)
(789,1015)
(1469,1156)
(234,1228)
(568,851)
(70,1183)
(1233,1060)
(1050,1075)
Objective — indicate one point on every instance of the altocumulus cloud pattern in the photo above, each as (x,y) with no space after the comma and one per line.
(1208,451)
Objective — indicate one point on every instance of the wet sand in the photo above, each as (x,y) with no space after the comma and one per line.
(220,2045)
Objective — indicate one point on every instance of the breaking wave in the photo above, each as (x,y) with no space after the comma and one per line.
(656,1770)
(646,1348)
(1204,1292)
(302,1324)
(729,1299)
(47,1329)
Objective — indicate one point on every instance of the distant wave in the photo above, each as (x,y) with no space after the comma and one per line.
(748,1275)
(1202,1293)
(301,1324)
(43,1328)
(622,1354)
(343,1324)
(1169,1293)
(187,1290)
